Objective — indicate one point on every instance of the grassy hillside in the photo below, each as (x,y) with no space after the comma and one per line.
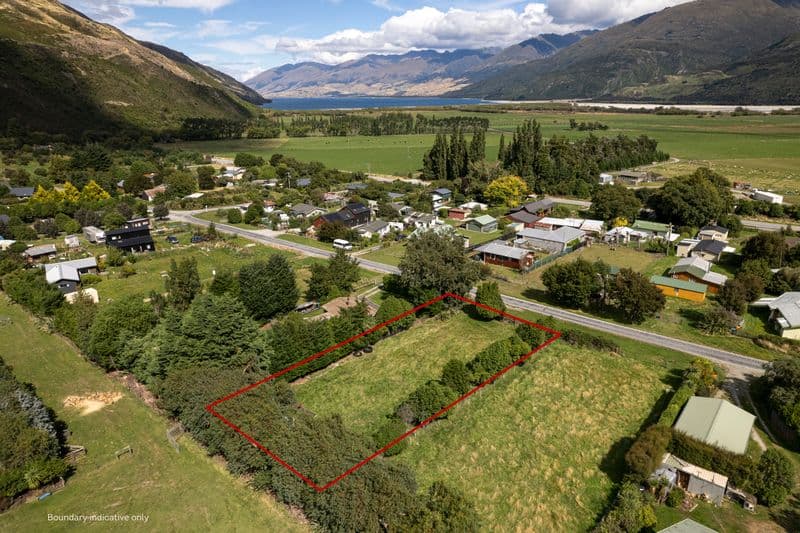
(63,72)
(178,491)
(688,38)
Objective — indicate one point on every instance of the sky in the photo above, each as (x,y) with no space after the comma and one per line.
(245,37)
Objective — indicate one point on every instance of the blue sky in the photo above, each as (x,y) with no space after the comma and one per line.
(244,37)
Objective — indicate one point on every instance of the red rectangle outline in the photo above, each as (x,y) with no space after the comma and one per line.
(321,488)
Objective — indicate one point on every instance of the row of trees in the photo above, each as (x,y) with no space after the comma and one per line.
(394,123)
(452,160)
(30,443)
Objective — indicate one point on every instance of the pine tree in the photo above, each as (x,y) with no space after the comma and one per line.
(477,147)
(268,288)
(183,282)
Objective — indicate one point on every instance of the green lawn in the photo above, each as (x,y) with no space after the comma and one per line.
(758,149)
(213,217)
(299,239)
(479,237)
(388,253)
(364,390)
(179,491)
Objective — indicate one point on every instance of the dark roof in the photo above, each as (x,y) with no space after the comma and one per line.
(21,192)
(712,227)
(339,216)
(442,191)
(523,216)
(132,241)
(538,206)
(356,208)
(712,247)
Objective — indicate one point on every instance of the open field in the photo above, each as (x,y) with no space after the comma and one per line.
(541,448)
(762,150)
(678,318)
(364,390)
(179,491)
(390,253)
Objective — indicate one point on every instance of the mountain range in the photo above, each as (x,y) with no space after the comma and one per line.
(63,72)
(689,52)
(416,73)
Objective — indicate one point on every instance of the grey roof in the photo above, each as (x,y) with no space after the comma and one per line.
(305,209)
(687,525)
(523,216)
(717,422)
(536,207)
(715,278)
(394,195)
(562,235)
(498,248)
(44,249)
(374,226)
(687,264)
(355,186)
(4,219)
(484,220)
(442,191)
(60,272)
(712,247)
(86,262)
(303,182)
(21,192)
(713,227)
(788,305)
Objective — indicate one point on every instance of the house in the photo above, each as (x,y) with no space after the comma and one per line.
(555,223)
(716,422)
(769,197)
(134,236)
(269,205)
(66,276)
(685,247)
(691,478)
(44,252)
(94,235)
(541,207)
(351,215)
(333,198)
(657,229)
(395,196)
(523,217)
(303,182)
(5,244)
(713,233)
(497,253)
(555,241)
(474,206)
(440,197)
(709,250)
(21,192)
(628,177)
(150,194)
(483,223)
(625,235)
(355,186)
(306,211)
(381,228)
(422,220)
(698,270)
(593,227)
(678,288)
(440,229)
(687,525)
(401,209)
(784,313)
(72,241)
(456,213)
(606,179)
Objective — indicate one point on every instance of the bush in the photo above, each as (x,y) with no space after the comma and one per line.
(390,430)
(425,401)
(676,403)
(531,335)
(90,279)
(234,216)
(490,360)
(587,340)
(741,469)
(648,450)
(675,497)
(775,477)
(489,294)
(456,376)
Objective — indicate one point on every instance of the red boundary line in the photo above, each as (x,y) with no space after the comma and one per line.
(320,488)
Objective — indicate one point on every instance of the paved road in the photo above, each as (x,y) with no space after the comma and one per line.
(700,350)
(748,364)
(766,226)
(268,238)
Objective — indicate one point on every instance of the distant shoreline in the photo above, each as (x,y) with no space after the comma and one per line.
(703,108)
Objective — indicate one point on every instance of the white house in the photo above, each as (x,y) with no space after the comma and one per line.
(784,313)
(606,179)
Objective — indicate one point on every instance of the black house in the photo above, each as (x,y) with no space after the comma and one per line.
(351,215)
(134,236)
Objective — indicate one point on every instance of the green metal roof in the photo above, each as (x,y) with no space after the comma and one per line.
(650,226)
(687,525)
(679,284)
(717,422)
(484,220)
(688,269)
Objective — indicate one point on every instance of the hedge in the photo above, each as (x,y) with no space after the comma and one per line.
(741,469)
(676,403)
(587,340)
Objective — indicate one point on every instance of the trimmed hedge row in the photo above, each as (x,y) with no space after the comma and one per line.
(676,403)
(587,340)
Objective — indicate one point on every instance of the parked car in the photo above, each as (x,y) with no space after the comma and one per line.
(172,239)
(197,238)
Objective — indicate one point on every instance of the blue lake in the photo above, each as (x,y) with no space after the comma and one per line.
(366,102)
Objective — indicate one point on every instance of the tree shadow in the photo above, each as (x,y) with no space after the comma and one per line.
(692,315)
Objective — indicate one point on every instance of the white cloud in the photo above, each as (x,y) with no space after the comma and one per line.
(601,13)
(386,4)
(111,12)
(204,5)
(428,27)
(151,34)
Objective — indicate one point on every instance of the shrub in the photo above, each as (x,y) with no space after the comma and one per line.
(676,403)
(775,477)
(456,376)
(390,430)
(234,216)
(648,450)
(530,334)
(587,340)
(490,360)
(426,400)
(90,279)
(489,294)
(741,469)
(675,497)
